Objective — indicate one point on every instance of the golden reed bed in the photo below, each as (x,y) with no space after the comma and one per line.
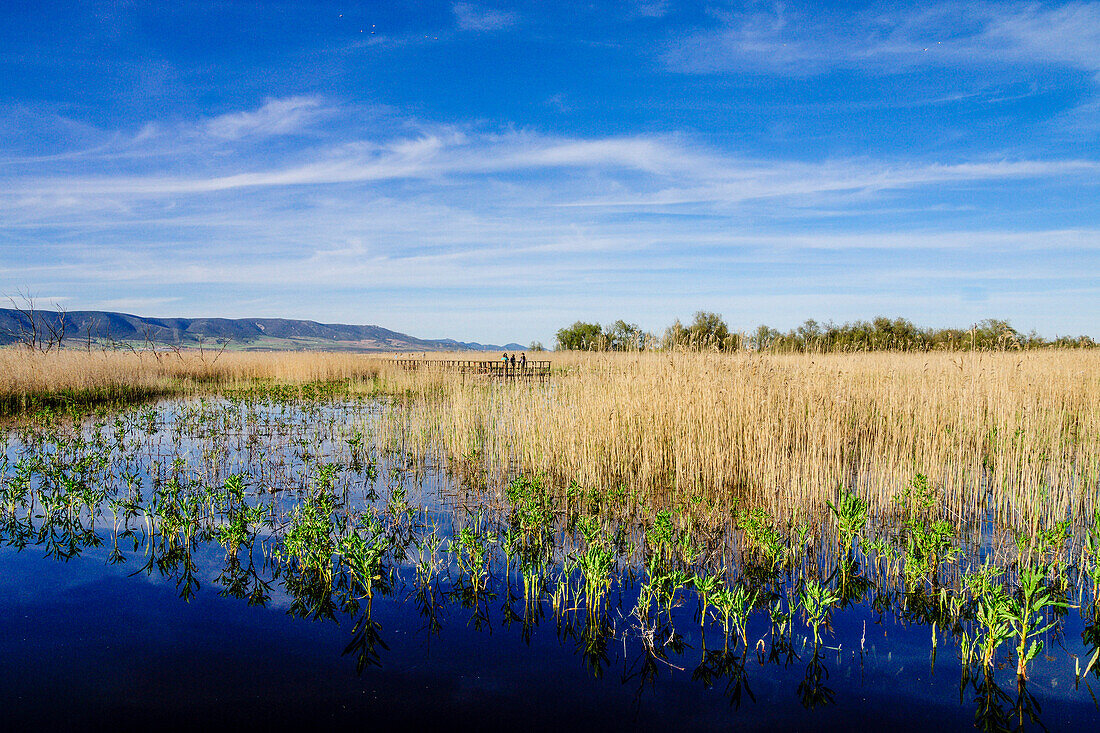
(1018,433)
(24,372)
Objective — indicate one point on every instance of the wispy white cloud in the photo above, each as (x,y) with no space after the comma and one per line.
(644,170)
(515,216)
(1067,34)
(276,117)
(475,17)
(947,34)
(1080,121)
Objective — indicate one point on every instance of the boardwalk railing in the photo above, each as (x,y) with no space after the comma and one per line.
(497,369)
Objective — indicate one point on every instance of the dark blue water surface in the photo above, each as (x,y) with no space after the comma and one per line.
(102,628)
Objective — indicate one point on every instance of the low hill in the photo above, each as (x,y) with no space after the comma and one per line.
(272,334)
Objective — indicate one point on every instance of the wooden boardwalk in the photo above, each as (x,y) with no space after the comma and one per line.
(497,369)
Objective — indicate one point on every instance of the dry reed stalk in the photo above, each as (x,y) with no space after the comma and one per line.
(26,374)
(1017,434)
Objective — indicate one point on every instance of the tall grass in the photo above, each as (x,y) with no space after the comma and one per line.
(29,378)
(1015,434)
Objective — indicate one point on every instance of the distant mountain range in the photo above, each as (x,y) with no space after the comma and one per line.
(252,334)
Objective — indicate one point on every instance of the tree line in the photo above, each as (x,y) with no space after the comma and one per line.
(709,332)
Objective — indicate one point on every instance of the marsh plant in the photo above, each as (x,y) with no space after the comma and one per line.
(929,541)
(471,549)
(364,551)
(816,600)
(1027,613)
(595,562)
(850,514)
(735,604)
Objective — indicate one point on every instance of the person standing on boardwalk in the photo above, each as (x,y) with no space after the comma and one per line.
(523,361)
(513,362)
(504,358)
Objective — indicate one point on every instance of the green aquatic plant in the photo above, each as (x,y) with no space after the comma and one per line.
(816,599)
(364,550)
(309,537)
(735,604)
(850,514)
(687,550)
(765,540)
(994,628)
(985,598)
(706,587)
(398,504)
(670,557)
(1090,554)
(532,509)
(928,542)
(355,446)
(428,557)
(1025,611)
(1037,545)
(472,552)
(595,563)
(233,491)
(237,530)
(917,498)
(1021,615)
(876,546)
(664,584)
(803,541)
(1090,637)
(660,536)
(324,479)
(928,545)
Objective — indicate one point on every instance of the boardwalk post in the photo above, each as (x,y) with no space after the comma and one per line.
(529,371)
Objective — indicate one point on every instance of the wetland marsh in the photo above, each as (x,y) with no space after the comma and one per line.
(646,541)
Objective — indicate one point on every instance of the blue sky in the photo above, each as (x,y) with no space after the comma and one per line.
(493,171)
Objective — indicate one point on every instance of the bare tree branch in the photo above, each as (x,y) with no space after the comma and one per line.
(54,331)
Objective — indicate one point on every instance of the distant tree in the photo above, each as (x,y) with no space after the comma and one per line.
(580,337)
(764,337)
(709,331)
(676,336)
(808,332)
(536,346)
(992,333)
(623,336)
